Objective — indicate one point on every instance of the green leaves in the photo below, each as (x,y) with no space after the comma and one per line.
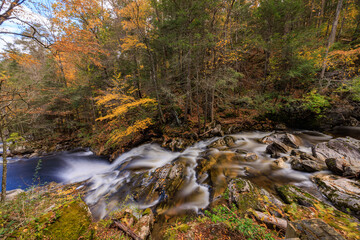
(315,102)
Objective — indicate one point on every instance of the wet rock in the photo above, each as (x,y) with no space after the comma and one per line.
(336,165)
(307,165)
(352,171)
(340,167)
(20,150)
(33,155)
(251,157)
(10,195)
(252,172)
(175,144)
(246,196)
(219,166)
(278,164)
(288,139)
(340,148)
(311,229)
(224,142)
(342,192)
(277,147)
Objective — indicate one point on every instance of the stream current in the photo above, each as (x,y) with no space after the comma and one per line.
(139,177)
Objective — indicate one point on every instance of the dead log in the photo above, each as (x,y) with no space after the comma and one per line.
(127,230)
(268,219)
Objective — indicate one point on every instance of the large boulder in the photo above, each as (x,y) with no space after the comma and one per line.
(342,192)
(345,151)
(246,196)
(311,229)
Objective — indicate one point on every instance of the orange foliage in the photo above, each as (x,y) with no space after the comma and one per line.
(79,24)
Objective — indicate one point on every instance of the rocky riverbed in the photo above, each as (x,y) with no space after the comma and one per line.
(289,184)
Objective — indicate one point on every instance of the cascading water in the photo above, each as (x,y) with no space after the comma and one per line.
(174,182)
(150,176)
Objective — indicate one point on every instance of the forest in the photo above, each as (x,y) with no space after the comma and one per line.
(258,101)
(107,73)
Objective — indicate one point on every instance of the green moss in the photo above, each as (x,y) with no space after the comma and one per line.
(73,222)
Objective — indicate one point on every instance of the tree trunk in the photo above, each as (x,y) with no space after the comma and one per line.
(355,35)
(343,19)
(137,77)
(154,79)
(188,87)
(212,114)
(331,37)
(321,18)
(4,172)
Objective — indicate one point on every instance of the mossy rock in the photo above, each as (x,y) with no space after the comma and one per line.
(73,222)
(291,194)
(302,205)
(247,196)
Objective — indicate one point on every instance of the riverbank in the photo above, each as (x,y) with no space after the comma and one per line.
(269,186)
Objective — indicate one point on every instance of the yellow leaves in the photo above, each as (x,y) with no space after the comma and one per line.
(122,109)
(106,98)
(26,60)
(136,14)
(132,42)
(135,20)
(136,127)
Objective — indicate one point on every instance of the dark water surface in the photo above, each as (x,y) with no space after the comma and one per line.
(24,173)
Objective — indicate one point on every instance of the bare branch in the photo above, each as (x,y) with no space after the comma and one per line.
(5,16)
(28,36)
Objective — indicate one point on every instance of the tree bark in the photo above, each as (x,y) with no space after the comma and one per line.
(154,79)
(343,19)
(321,13)
(331,37)
(127,230)
(188,87)
(4,172)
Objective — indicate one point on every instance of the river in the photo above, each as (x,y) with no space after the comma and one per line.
(135,178)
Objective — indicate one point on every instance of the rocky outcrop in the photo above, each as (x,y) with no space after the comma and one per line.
(339,148)
(247,195)
(225,142)
(342,192)
(305,162)
(20,149)
(277,147)
(311,229)
(280,143)
(340,154)
(10,195)
(307,165)
(286,138)
(291,194)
